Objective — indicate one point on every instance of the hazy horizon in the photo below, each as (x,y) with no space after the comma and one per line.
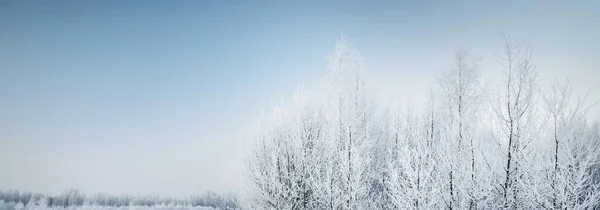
(167,88)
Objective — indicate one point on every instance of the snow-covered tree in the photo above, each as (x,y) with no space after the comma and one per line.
(312,153)
(283,167)
(415,181)
(335,147)
(574,154)
(349,118)
(461,92)
(516,112)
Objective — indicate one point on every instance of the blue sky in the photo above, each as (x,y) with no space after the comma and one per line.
(152,96)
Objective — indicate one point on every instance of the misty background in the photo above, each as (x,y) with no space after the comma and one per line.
(153,96)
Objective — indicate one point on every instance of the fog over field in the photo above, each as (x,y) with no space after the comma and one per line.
(299,105)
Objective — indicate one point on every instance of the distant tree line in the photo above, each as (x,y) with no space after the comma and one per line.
(76,198)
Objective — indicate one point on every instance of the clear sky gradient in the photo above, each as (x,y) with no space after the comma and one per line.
(152,97)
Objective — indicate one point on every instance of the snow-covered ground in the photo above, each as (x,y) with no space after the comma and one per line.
(20,206)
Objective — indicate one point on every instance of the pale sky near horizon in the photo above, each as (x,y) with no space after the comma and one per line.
(151,97)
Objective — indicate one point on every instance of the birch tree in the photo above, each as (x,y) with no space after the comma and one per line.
(313,153)
(414,181)
(349,116)
(282,163)
(460,88)
(574,153)
(515,110)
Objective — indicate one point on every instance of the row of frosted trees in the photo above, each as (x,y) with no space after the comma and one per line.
(71,198)
(335,147)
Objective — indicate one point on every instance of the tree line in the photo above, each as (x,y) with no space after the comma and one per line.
(72,198)
(516,146)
